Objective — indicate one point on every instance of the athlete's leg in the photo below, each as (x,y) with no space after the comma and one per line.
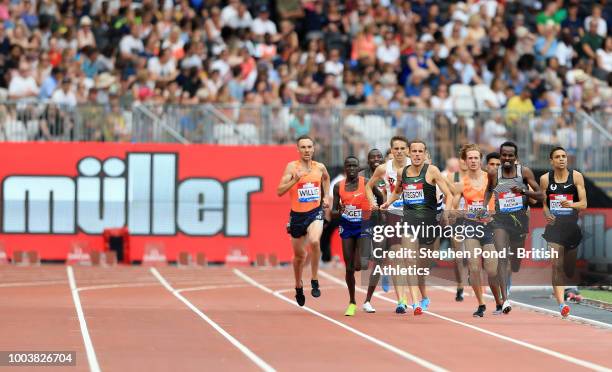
(399,282)
(314,238)
(459,269)
(569,263)
(299,257)
(490,263)
(412,245)
(349,247)
(558,273)
(501,240)
(474,268)
(424,263)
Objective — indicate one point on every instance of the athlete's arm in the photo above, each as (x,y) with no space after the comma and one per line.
(290,177)
(550,218)
(380,198)
(491,183)
(324,186)
(458,194)
(335,212)
(450,182)
(582,203)
(377,176)
(529,177)
(397,190)
(443,184)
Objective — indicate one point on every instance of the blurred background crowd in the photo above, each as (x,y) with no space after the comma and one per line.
(526,56)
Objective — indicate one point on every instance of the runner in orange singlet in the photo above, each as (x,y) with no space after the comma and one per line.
(306,180)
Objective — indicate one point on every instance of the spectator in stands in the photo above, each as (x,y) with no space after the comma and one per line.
(519,106)
(573,24)
(590,42)
(50,83)
(85,36)
(23,86)
(600,26)
(263,25)
(465,67)
(388,52)
(553,13)
(131,45)
(546,44)
(64,97)
(565,49)
(604,60)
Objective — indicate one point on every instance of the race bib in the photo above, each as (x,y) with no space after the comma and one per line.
(309,192)
(352,213)
(475,209)
(555,204)
(413,194)
(510,202)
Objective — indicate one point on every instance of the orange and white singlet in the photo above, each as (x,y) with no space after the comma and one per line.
(306,193)
(474,198)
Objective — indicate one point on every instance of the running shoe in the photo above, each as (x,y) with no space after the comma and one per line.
(506,307)
(425,303)
(564,309)
(316,292)
(299,296)
(385,283)
(498,310)
(481,311)
(401,308)
(417,310)
(367,307)
(350,310)
(459,296)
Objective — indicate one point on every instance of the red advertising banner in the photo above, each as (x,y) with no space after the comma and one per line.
(220,200)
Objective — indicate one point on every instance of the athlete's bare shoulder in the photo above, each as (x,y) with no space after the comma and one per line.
(578,177)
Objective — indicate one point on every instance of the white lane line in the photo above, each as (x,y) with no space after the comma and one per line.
(393,349)
(556,314)
(31,284)
(120,285)
(281,291)
(556,354)
(246,351)
(89,349)
(210,287)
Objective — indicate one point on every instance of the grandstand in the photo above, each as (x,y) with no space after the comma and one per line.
(142,142)
(351,73)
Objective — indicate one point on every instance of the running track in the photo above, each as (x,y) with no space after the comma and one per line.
(129,318)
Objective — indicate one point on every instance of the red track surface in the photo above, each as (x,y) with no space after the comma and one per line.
(136,323)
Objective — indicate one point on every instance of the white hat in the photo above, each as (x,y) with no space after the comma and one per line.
(426,38)
(460,16)
(85,21)
(580,76)
(521,31)
(105,80)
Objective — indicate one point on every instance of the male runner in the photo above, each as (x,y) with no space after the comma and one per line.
(510,186)
(565,197)
(353,208)
(306,180)
(472,187)
(493,161)
(453,173)
(375,159)
(417,185)
(388,172)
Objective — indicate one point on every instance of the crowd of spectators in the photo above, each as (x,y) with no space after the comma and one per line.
(533,55)
(382,53)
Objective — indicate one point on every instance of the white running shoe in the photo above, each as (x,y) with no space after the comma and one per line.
(506,307)
(367,307)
